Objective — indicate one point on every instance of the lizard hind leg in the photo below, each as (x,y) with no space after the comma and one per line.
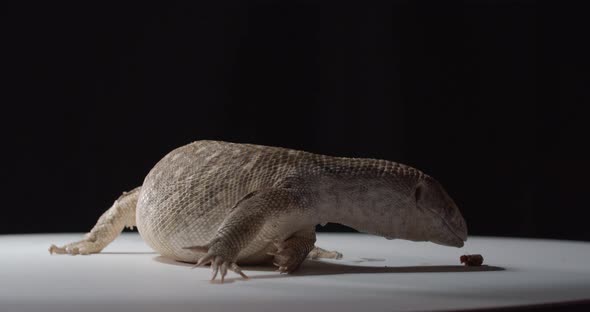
(320,253)
(291,252)
(107,228)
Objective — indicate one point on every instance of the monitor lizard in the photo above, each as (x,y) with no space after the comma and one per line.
(227,203)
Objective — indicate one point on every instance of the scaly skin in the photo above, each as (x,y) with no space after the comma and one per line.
(228,203)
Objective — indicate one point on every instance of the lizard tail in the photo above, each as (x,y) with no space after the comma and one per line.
(107,228)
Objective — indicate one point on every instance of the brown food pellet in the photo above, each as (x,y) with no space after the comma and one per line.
(471,260)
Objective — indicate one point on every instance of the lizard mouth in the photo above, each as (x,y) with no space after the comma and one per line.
(453,236)
(449,239)
(456,237)
(459,241)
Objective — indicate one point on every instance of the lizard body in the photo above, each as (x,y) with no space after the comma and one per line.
(228,203)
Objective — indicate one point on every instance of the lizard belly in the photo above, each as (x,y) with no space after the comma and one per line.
(167,228)
(182,202)
(181,211)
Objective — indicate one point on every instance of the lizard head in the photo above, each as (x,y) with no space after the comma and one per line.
(441,219)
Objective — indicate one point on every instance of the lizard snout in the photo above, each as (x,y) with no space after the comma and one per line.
(447,225)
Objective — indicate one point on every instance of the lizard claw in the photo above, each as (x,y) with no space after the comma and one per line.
(215,268)
(223,269)
(204,260)
(234,267)
(221,266)
(218,264)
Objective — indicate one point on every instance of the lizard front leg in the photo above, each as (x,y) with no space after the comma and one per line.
(241,226)
(107,228)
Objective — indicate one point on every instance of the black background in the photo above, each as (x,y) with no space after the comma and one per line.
(486,96)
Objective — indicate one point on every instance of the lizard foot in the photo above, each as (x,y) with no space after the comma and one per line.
(320,253)
(287,258)
(82,247)
(218,263)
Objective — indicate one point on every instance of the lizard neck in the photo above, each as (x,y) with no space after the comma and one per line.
(366,203)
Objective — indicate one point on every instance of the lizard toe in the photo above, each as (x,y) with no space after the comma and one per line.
(223,269)
(78,248)
(219,263)
(234,267)
(58,250)
(215,267)
(221,266)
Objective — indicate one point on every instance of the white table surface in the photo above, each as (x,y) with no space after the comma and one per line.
(374,275)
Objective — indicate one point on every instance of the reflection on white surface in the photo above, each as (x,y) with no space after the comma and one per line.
(375,274)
